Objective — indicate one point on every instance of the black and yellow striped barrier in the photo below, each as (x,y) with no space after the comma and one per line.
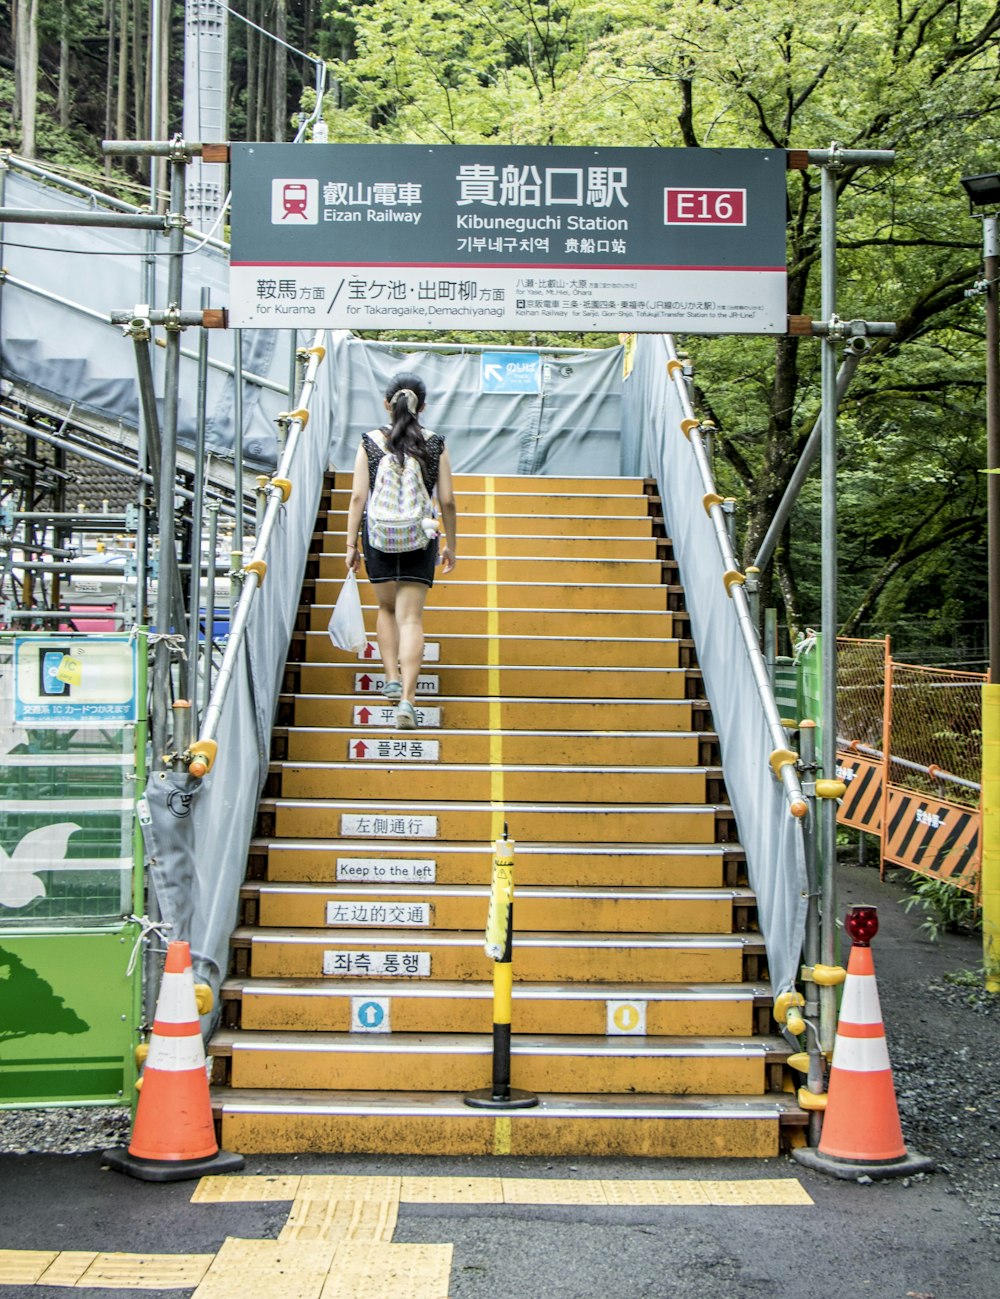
(500,946)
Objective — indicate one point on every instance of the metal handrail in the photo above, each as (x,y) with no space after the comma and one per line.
(782,759)
(934,772)
(201,754)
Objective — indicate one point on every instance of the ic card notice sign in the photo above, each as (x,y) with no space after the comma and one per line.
(455,237)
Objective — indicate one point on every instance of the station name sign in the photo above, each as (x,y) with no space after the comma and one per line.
(491,237)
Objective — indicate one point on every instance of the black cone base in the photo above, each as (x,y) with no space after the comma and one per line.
(170,1170)
(850,1170)
(513,1100)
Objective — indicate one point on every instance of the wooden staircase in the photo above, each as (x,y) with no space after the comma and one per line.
(561,696)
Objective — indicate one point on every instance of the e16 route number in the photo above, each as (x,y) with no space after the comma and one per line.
(710,207)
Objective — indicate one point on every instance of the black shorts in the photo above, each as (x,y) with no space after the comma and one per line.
(406,566)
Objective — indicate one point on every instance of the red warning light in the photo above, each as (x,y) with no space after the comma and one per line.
(862,925)
(294,199)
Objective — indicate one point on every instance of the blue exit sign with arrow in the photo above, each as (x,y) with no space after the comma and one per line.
(510,372)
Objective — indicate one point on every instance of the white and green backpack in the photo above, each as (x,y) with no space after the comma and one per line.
(400,510)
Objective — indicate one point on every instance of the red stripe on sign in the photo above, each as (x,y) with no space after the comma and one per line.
(189,1029)
(513,266)
(860,1030)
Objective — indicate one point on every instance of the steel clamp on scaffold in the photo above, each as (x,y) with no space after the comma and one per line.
(499,946)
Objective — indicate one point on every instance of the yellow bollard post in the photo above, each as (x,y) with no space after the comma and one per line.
(500,946)
(989,877)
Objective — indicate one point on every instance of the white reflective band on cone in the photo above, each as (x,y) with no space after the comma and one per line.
(860,1004)
(176,1054)
(176,1003)
(861,1054)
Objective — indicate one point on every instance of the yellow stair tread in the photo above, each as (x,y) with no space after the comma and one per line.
(244,934)
(431,891)
(760,993)
(609,849)
(227,1040)
(633,1105)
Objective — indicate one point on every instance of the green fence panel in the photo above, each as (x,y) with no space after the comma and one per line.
(72,723)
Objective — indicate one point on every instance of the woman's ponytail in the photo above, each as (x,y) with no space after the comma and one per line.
(406,395)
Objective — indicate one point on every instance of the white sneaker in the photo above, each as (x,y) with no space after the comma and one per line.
(406,716)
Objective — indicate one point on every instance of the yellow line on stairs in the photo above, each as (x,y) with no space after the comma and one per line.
(493,659)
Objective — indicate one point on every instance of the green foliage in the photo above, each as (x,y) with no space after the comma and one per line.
(947,909)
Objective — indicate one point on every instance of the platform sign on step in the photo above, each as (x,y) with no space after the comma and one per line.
(626,1018)
(379,870)
(370,1015)
(370,683)
(353,963)
(375,825)
(394,914)
(432,652)
(510,372)
(374,750)
(384,715)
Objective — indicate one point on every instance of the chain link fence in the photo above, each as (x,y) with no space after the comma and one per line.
(861,669)
(936,736)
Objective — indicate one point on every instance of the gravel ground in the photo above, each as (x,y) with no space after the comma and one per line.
(944,1041)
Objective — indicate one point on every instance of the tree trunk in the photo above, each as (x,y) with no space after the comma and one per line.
(121,107)
(253,44)
(111,17)
(280,104)
(26,62)
(138,73)
(62,100)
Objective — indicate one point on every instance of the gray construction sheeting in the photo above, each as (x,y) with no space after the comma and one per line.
(571,428)
(73,357)
(770,835)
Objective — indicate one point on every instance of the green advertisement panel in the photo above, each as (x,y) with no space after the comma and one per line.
(66,1017)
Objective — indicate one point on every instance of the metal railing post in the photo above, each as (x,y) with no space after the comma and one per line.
(197,521)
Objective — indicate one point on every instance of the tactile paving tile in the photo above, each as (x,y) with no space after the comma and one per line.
(293,1269)
(245,1190)
(389,1272)
(323,1187)
(651,1193)
(146,1271)
(541,1190)
(336,1220)
(762,1191)
(24,1266)
(68,1267)
(451,1190)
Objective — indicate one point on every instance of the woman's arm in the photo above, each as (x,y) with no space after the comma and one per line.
(446,499)
(359,495)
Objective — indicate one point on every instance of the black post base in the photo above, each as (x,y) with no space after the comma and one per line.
(511,1099)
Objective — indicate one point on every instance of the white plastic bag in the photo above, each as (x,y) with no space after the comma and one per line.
(347,623)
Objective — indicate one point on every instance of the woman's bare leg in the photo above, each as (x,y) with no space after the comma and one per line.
(386,628)
(410,600)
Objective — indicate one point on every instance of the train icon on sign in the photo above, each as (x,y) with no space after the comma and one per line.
(294,201)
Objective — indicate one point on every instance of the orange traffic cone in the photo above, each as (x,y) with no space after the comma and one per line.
(861,1136)
(173,1137)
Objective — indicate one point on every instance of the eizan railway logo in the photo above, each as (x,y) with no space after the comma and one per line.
(294,202)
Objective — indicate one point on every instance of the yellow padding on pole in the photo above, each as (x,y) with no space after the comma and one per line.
(259,567)
(503,992)
(828,976)
(811,1100)
(283,485)
(674,367)
(710,499)
(301,414)
(785,1003)
(730,578)
(830,789)
(989,878)
(318,351)
(202,757)
(501,899)
(204,998)
(781,758)
(688,426)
